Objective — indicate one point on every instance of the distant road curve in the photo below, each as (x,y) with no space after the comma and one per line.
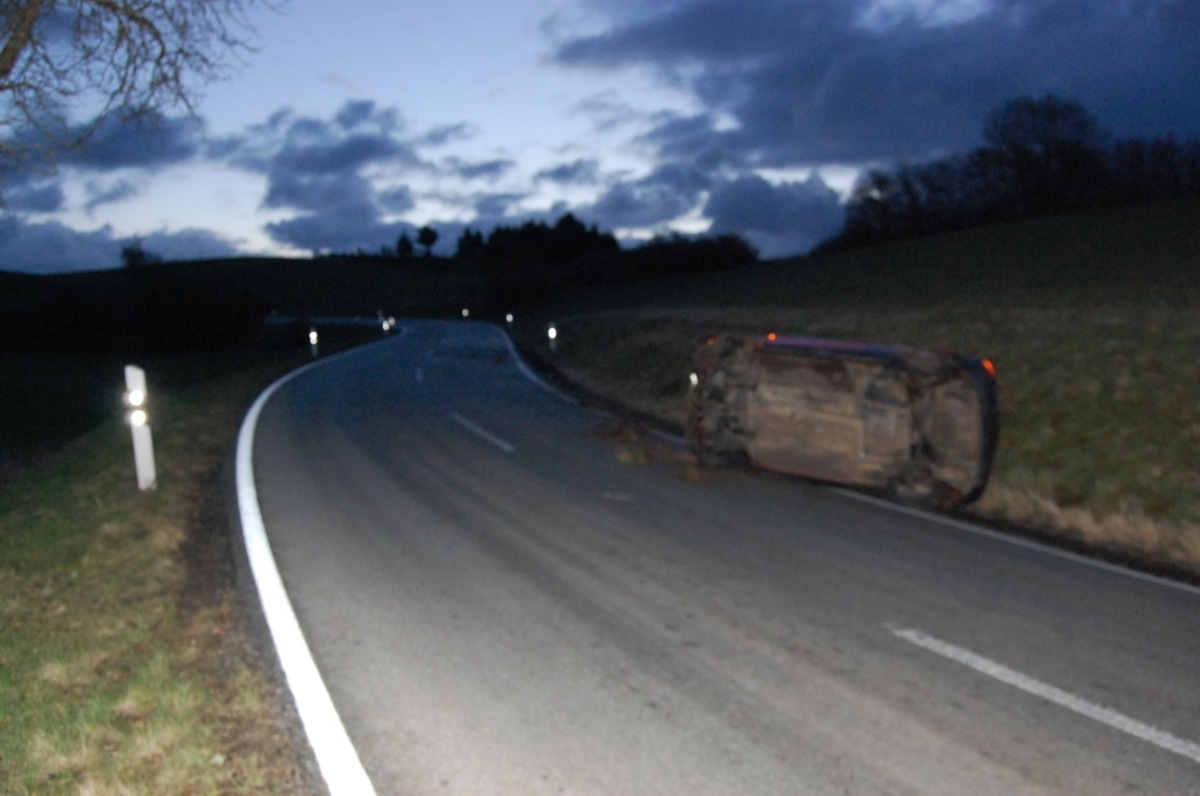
(504,592)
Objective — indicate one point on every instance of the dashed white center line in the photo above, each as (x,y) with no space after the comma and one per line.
(503,445)
(1112,718)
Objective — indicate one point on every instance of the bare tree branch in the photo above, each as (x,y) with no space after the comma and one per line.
(67,65)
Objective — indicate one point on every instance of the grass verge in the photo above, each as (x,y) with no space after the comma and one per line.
(1093,322)
(1099,419)
(124,665)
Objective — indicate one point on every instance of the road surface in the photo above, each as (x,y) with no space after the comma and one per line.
(507,593)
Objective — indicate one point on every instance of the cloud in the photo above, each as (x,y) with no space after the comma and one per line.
(145,141)
(37,196)
(495,206)
(53,247)
(342,229)
(778,219)
(396,200)
(670,191)
(585,171)
(808,82)
(445,134)
(100,193)
(485,169)
(188,244)
(337,174)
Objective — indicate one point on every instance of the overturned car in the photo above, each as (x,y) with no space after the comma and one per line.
(918,422)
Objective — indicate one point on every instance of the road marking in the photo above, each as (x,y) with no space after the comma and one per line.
(1111,718)
(529,373)
(336,757)
(1016,541)
(483,433)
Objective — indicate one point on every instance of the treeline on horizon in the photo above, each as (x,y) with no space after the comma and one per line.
(535,261)
(1041,157)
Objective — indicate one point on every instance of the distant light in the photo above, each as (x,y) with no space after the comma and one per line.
(508,318)
(138,417)
(312,336)
(990,367)
(552,333)
(694,379)
(466,312)
(771,336)
(136,397)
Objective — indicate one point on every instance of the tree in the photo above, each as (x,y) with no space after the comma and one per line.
(427,236)
(471,246)
(404,247)
(134,254)
(1054,153)
(123,57)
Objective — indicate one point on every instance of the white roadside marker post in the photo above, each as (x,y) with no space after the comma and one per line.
(313,342)
(552,334)
(139,425)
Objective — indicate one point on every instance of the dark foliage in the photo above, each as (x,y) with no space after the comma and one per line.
(138,312)
(1041,157)
(535,261)
(427,236)
(134,255)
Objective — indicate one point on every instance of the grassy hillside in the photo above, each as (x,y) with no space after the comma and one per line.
(64,339)
(326,286)
(1093,321)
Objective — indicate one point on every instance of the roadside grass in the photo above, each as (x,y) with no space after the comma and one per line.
(1093,322)
(124,662)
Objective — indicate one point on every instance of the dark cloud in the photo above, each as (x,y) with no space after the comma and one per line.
(396,200)
(52,247)
(148,140)
(100,193)
(778,219)
(495,206)
(188,244)
(670,191)
(807,82)
(579,172)
(34,197)
(440,136)
(344,228)
(485,169)
(319,168)
(318,193)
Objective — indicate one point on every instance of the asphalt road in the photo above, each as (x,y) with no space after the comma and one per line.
(506,595)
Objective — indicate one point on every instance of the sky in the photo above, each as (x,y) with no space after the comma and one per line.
(354,123)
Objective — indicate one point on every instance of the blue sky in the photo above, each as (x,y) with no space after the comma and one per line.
(354,123)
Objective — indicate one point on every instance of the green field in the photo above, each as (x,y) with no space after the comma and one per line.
(1092,320)
(124,665)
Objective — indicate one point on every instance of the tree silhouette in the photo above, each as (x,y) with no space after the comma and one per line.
(1041,157)
(134,254)
(427,236)
(1053,149)
(404,247)
(471,246)
(112,56)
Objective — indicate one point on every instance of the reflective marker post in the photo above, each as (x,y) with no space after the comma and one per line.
(552,335)
(139,425)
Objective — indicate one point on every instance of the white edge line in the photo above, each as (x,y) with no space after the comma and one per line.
(523,366)
(483,433)
(1017,541)
(1111,718)
(336,757)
